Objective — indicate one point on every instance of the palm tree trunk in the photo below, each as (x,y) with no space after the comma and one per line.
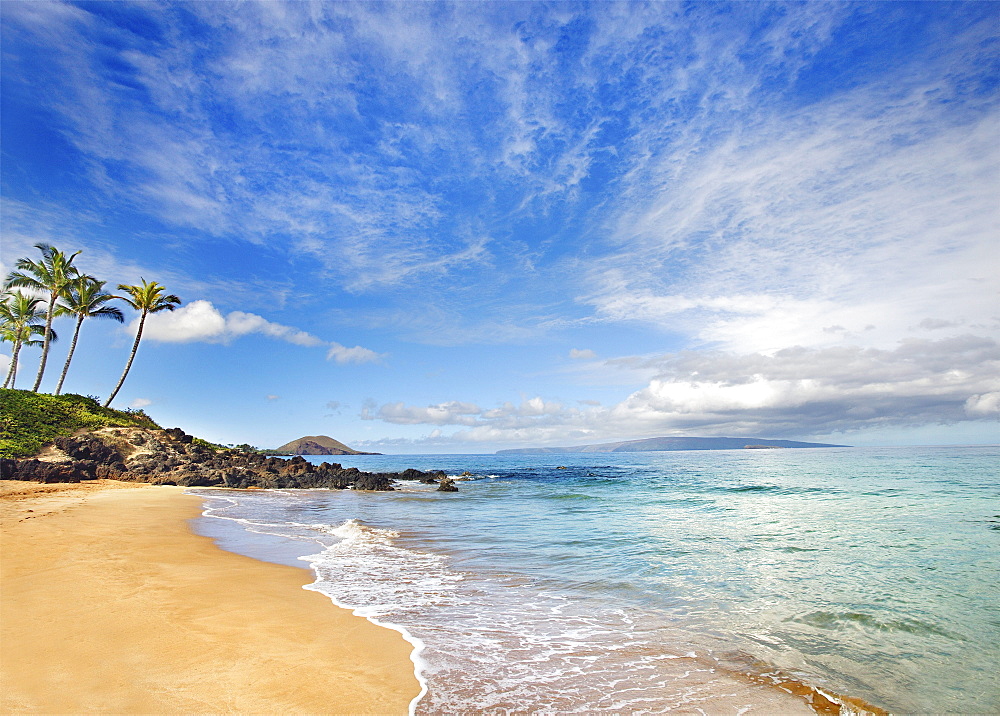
(128,366)
(72,347)
(12,373)
(45,344)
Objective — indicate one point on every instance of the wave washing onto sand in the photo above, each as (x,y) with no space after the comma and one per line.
(499,643)
(349,536)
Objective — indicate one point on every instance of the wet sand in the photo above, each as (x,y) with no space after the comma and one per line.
(109,603)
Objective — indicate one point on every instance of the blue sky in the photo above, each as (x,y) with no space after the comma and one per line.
(458,227)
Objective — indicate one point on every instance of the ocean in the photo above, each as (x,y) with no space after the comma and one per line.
(692,581)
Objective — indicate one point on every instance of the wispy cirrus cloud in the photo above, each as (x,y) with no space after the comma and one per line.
(327,190)
(75,228)
(873,209)
(747,180)
(735,179)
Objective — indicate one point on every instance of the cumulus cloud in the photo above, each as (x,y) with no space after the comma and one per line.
(197,321)
(239,323)
(802,391)
(450,413)
(532,408)
(987,404)
(581,354)
(202,321)
(140,403)
(357,354)
(456,412)
(791,393)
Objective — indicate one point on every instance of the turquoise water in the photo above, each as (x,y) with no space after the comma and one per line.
(649,582)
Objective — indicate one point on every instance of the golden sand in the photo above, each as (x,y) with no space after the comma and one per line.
(109,603)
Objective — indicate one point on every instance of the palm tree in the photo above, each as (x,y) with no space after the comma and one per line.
(20,319)
(85,298)
(147,298)
(51,275)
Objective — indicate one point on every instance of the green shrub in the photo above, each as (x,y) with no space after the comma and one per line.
(29,420)
(206,444)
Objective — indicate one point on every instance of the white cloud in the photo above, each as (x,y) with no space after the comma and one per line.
(202,321)
(273,397)
(986,404)
(813,205)
(810,391)
(357,354)
(450,413)
(195,321)
(532,408)
(878,216)
(239,323)
(791,393)
(344,205)
(707,193)
(140,403)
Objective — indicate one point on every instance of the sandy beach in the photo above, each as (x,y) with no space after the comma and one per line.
(109,603)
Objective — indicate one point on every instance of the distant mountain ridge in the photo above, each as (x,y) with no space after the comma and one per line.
(318,445)
(654,444)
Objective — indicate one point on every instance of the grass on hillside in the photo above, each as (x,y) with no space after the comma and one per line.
(29,420)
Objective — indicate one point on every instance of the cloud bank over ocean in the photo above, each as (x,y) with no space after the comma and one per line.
(534,223)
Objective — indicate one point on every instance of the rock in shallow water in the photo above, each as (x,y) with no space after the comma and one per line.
(447,485)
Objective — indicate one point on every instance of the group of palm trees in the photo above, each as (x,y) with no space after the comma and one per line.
(53,281)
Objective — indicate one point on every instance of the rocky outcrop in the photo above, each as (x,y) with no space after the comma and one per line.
(44,471)
(446,484)
(170,457)
(89,448)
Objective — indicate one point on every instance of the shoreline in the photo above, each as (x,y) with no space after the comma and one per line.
(275,556)
(752,686)
(111,603)
(382,666)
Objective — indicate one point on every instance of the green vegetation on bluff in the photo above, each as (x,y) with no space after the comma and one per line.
(29,420)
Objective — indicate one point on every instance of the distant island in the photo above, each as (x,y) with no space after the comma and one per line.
(317,445)
(653,444)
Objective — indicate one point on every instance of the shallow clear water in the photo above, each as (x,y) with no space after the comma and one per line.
(646,582)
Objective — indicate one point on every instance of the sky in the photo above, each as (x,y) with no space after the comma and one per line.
(428,227)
